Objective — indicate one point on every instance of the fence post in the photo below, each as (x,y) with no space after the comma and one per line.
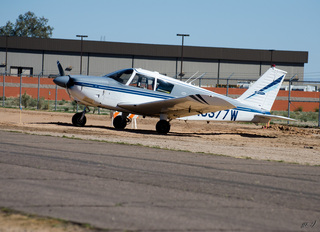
(38,90)
(228,83)
(289,95)
(20,91)
(55,99)
(319,112)
(4,95)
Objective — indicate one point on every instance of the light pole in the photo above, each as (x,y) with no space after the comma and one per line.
(181,73)
(82,36)
(6,62)
(271,62)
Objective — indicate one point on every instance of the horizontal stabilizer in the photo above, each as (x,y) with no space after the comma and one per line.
(271,116)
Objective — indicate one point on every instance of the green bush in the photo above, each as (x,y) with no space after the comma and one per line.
(299,109)
(46,105)
(41,103)
(302,116)
(62,102)
(25,100)
(33,102)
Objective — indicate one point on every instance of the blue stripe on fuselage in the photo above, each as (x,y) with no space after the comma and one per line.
(250,110)
(152,94)
(124,90)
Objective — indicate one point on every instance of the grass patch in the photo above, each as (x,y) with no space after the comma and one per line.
(299,115)
(20,221)
(27,102)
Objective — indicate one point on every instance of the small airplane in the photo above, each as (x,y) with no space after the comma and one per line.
(148,93)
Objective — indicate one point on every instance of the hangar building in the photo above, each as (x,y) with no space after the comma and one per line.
(34,56)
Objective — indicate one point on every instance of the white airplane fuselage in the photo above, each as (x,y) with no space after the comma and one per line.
(107,93)
(149,93)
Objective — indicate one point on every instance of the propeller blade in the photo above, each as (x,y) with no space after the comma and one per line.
(61,72)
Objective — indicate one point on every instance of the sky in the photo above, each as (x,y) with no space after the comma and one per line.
(252,24)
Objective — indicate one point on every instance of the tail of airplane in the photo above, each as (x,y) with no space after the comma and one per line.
(264,91)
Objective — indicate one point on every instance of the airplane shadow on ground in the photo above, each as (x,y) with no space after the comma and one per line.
(154,132)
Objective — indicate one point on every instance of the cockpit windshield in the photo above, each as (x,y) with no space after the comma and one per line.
(121,76)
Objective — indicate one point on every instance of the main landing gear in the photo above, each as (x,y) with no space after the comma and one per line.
(163,127)
(121,121)
(79,119)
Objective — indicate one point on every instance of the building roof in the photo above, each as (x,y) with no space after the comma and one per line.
(152,50)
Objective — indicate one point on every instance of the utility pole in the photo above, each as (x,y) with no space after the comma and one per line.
(82,36)
(271,60)
(181,73)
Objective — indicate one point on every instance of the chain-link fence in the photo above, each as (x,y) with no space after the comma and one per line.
(296,99)
(37,93)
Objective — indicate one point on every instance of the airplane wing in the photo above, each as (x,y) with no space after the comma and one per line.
(180,107)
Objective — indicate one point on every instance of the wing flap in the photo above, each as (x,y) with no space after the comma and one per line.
(180,107)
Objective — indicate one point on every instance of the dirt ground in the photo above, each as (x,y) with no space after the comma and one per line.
(249,141)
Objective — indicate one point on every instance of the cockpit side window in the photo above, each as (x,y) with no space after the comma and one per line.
(142,81)
(121,76)
(164,87)
(151,83)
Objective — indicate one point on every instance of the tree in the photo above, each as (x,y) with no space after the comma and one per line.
(28,25)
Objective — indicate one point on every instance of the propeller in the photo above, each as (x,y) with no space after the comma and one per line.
(61,72)
(62,80)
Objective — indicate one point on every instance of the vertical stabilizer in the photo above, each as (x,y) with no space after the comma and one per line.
(264,91)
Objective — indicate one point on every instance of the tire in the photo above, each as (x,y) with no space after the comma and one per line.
(119,122)
(163,127)
(76,120)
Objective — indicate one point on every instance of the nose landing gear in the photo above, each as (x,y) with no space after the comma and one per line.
(79,119)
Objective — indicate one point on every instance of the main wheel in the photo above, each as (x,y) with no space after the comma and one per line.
(78,120)
(163,127)
(119,122)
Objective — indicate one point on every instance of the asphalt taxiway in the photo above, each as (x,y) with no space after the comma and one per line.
(124,187)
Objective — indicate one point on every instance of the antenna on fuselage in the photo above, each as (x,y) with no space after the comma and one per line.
(202,75)
(192,76)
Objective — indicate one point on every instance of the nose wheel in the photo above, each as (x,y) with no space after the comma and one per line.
(163,127)
(79,119)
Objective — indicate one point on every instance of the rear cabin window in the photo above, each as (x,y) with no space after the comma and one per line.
(150,83)
(164,87)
